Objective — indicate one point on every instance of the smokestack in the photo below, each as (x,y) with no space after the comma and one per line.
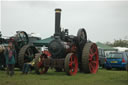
(57,22)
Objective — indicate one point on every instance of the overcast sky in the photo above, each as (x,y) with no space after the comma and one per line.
(103,21)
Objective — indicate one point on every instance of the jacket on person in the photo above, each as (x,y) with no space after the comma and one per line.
(12,59)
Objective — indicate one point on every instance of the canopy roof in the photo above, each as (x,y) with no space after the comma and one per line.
(43,42)
(105,47)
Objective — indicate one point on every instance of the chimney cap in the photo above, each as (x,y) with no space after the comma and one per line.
(58,10)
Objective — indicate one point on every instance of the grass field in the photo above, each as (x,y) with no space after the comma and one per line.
(102,77)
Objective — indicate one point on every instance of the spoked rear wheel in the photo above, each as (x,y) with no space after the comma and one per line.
(90,58)
(26,54)
(71,64)
(39,67)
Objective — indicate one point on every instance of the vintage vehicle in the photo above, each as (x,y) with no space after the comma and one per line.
(68,52)
(116,60)
(25,52)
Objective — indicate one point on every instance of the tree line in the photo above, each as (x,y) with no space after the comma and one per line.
(118,43)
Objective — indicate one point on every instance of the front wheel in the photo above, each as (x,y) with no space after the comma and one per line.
(39,67)
(71,64)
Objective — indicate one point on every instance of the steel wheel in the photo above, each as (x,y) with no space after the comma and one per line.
(82,37)
(90,58)
(71,64)
(39,67)
(26,54)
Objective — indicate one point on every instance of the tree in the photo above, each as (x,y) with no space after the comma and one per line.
(118,43)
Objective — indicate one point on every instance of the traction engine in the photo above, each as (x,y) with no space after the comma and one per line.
(25,52)
(68,53)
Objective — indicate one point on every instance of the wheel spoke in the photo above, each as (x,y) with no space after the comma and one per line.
(20,37)
(91,52)
(90,57)
(70,65)
(94,63)
(71,59)
(28,52)
(71,62)
(93,47)
(94,53)
(91,67)
(39,64)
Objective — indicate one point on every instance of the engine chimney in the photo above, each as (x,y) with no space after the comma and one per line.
(57,22)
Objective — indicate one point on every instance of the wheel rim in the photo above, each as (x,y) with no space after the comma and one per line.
(93,59)
(72,64)
(41,67)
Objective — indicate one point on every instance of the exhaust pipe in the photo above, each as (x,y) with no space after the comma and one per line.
(57,22)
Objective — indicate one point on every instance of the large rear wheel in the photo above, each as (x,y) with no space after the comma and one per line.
(71,64)
(90,58)
(26,54)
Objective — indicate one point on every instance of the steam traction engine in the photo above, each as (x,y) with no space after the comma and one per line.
(67,52)
(25,52)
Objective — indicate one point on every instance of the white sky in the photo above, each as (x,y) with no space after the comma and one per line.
(103,20)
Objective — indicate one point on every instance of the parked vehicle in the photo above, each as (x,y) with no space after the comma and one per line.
(127,60)
(101,57)
(116,60)
(126,53)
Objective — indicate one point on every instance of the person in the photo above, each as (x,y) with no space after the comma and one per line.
(10,55)
(2,58)
(27,66)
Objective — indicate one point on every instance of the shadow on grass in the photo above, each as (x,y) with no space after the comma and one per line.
(50,73)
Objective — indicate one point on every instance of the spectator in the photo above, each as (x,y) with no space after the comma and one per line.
(10,59)
(27,66)
(2,57)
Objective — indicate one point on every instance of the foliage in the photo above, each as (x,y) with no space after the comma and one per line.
(118,43)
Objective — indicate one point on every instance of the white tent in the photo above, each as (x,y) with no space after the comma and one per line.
(121,48)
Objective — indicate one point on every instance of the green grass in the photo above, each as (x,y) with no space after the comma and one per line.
(102,77)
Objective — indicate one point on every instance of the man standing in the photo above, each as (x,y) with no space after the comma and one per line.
(10,59)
